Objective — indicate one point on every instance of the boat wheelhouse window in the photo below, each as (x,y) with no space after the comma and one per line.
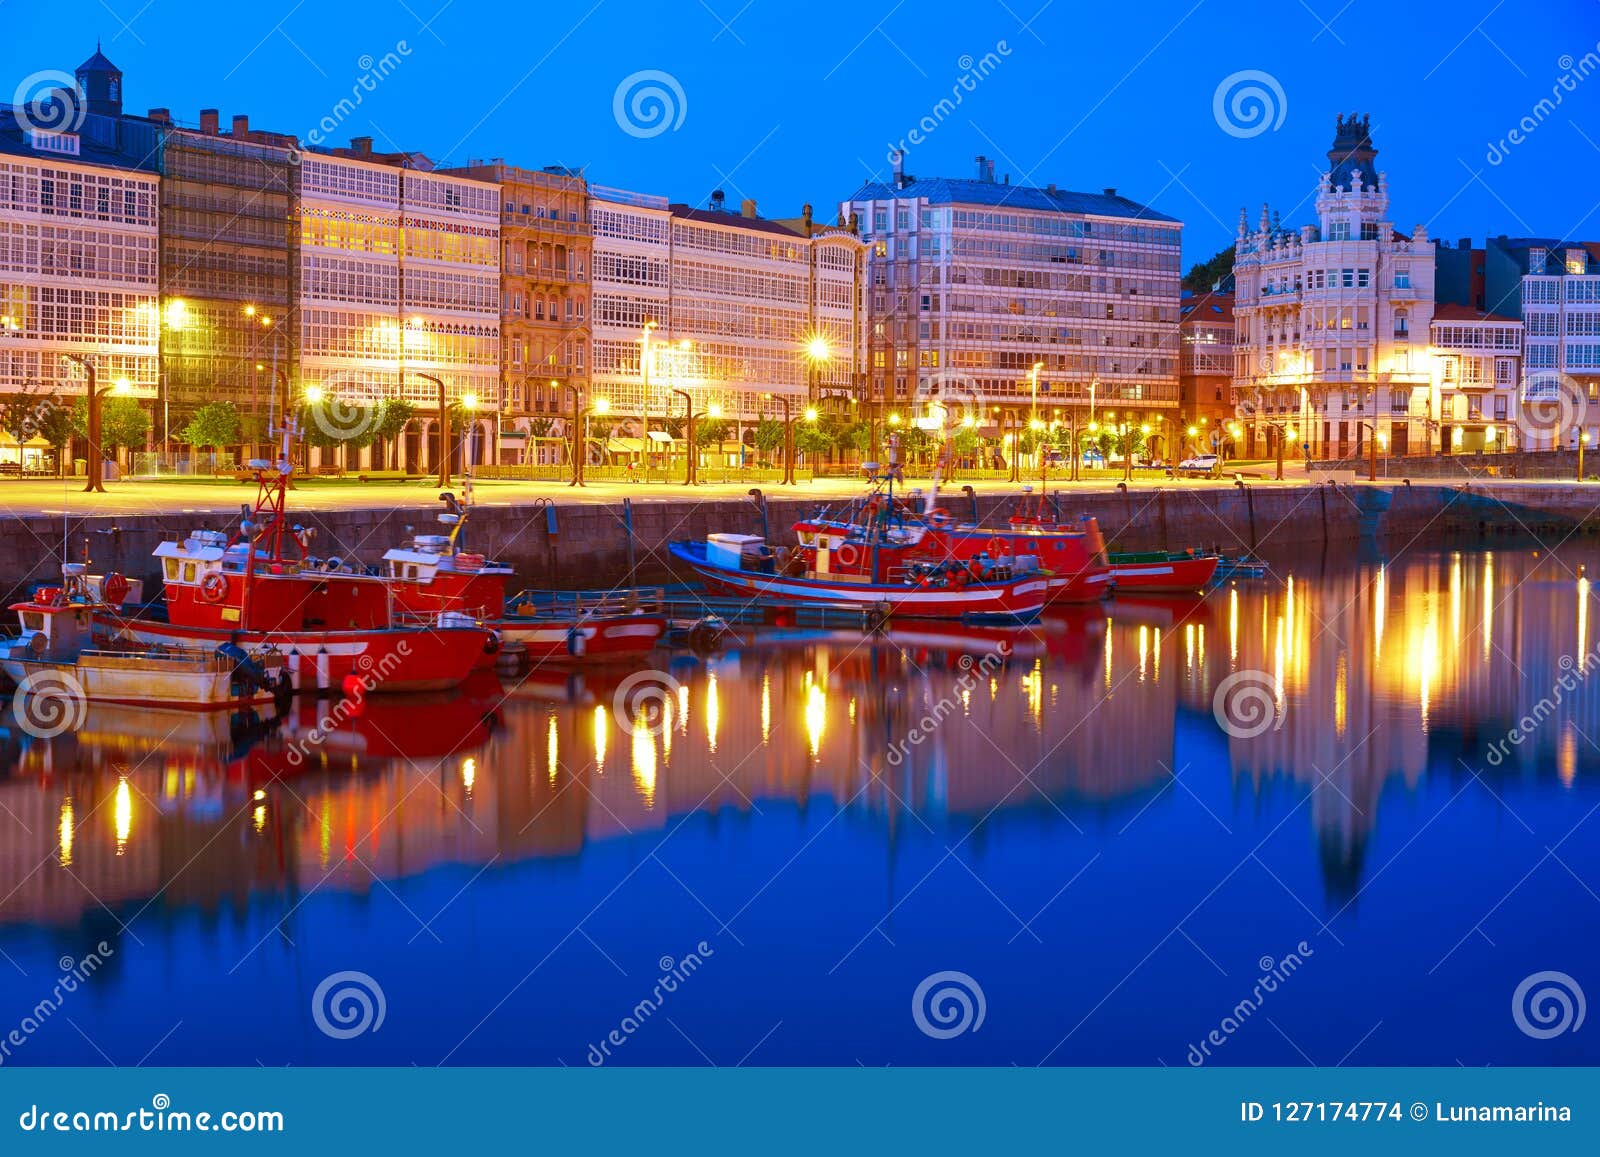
(171,568)
(32,621)
(188,572)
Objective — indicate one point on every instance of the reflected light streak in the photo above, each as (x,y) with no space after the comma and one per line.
(766,706)
(122,813)
(816,716)
(552,749)
(601,727)
(644,760)
(713,712)
(1583,624)
(66,832)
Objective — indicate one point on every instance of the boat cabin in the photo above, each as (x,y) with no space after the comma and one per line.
(210,582)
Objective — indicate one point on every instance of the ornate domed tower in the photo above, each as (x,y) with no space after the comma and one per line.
(101,84)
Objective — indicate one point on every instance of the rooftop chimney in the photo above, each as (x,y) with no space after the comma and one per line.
(162,116)
(985,169)
(717,200)
(1465,243)
(208,121)
(1111,191)
(899,158)
(361,146)
(805,216)
(241,126)
(747,208)
(1050,188)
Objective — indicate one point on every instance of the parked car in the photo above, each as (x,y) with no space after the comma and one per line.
(1199,464)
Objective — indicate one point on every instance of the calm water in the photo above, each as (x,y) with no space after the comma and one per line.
(1071,827)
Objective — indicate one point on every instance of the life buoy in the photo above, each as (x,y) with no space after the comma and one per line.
(214,587)
(113,589)
(997,546)
(940,519)
(848,555)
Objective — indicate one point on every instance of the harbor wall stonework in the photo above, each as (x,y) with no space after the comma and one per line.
(590,544)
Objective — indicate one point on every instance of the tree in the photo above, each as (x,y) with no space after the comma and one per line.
(768,435)
(1203,276)
(55,427)
(213,424)
(123,422)
(393,416)
(708,431)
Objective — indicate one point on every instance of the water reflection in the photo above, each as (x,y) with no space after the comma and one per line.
(1382,671)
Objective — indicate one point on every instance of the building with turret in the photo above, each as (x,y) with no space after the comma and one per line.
(78,241)
(1332,319)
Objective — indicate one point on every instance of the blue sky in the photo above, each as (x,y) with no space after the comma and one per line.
(786,105)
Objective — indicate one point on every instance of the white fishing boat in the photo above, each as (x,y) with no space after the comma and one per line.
(55,657)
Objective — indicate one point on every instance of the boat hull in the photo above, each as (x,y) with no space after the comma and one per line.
(1179,574)
(391,660)
(137,681)
(1018,599)
(583,638)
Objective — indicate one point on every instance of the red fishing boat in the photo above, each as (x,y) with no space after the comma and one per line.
(1175,572)
(263,591)
(435,574)
(895,533)
(744,566)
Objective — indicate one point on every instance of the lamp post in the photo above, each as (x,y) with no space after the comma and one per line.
(95,483)
(644,405)
(1033,379)
(817,353)
(810,415)
(688,434)
(469,405)
(577,439)
(442,481)
(1016,445)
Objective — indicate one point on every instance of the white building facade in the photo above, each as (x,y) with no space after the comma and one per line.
(399,276)
(1477,374)
(78,268)
(973,282)
(739,304)
(1333,319)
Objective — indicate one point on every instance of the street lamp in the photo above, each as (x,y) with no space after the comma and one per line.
(469,404)
(644,405)
(95,465)
(817,353)
(442,481)
(577,438)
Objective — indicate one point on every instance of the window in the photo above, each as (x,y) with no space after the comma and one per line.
(1338,231)
(188,572)
(1402,277)
(1363,278)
